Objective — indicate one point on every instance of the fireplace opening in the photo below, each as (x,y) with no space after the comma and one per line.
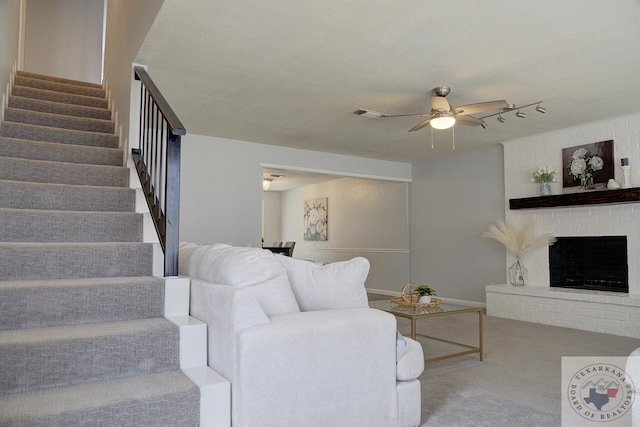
(596,263)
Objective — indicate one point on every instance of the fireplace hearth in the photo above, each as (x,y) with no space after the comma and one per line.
(596,263)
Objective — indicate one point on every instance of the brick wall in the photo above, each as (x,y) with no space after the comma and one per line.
(521,157)
(587,310)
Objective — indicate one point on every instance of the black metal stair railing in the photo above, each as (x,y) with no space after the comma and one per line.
(157,161)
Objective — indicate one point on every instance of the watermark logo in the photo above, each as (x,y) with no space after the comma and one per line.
(597,390)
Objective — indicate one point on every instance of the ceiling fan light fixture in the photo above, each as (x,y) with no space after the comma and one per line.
(501,119)
(442,121)
(520,114)
(541,109)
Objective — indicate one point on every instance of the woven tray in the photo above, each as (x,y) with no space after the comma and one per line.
(408,301)
(408,298)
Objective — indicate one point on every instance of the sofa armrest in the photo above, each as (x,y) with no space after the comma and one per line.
(339,359)
(411,363)
(225,310)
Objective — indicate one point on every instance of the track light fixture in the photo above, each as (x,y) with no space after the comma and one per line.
(517,109)
(484,125)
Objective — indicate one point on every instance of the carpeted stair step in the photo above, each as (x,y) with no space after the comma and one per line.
(58,108)
(34,225)
(34,195)
(48,95)
(43,358)
(53,151)
(44,303)
(14,169)
(42,261)
(64,80)
(164,399)
(58,120)
(54,86)
(63,136)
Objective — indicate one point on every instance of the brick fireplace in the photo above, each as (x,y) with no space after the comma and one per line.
(595,310)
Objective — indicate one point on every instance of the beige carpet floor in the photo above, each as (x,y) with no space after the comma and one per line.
(519,381)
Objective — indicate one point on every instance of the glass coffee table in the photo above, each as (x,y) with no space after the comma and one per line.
(434,348)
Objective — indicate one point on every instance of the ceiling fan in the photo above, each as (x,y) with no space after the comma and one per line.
(442,115)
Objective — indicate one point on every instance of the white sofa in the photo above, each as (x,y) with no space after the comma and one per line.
(299,343)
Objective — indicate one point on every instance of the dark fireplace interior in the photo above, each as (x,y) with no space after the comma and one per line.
(595,263)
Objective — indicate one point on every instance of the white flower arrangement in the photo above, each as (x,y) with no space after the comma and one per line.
(543,174)
(518,241)
(584,166)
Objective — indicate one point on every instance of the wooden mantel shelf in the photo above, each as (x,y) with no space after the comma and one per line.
(599,197)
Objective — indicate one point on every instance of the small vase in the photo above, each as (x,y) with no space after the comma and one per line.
(586,182)
(545,188)
(426,299)
(518,273)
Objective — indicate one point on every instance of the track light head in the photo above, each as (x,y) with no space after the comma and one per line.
(501,119)
(484,125)
(540,109)
(520,114)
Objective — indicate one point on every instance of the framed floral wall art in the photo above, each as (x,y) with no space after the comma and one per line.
(315,219)
(588,166)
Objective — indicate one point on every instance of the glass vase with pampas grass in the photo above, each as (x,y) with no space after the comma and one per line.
(518,241)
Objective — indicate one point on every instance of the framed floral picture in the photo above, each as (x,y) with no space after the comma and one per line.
(315,219)
(588,166)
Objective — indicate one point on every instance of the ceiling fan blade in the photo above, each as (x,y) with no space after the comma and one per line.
(408,115)
(439,103)
(480,107)
(420,125)
(468,121)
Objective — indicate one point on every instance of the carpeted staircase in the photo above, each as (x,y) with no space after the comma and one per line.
(83,340)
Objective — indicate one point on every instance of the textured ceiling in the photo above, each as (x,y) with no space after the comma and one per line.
(291,73)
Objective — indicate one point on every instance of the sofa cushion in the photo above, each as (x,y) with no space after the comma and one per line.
(331,286)
(252,268)
(186,257)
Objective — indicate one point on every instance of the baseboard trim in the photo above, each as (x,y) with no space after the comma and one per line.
(215,396)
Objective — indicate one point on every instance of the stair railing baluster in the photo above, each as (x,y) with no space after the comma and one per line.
(163,156)
(156,150)
(157,161)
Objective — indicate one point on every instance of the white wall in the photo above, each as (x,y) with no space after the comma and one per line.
(271,217)
(64,38)
(366,218)
(523,155)
(9,39)
(453,200)
(127,25)
(221,188)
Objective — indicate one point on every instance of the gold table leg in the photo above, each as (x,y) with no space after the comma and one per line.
(480,337)
(413,328)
